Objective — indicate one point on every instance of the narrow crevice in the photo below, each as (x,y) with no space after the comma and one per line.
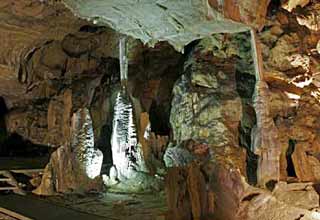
(250,197)
(103,143)
(91,29)
(159,118)
(300,217)
(245,88)
(290,166)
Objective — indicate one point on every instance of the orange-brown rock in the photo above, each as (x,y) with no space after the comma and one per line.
(187,193)
(59,119)
(153,146)
(149,93)
(305,163)
(292,4)
(265,138)
(249,12)
(24,26)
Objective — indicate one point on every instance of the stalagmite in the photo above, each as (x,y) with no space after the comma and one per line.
(125,152)
(90,159)
(74,167)
(264,137)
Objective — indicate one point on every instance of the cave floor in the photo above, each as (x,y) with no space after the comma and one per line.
(108,206)
(115,206)
(35,209)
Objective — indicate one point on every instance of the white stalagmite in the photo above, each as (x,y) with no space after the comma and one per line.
(89,158)
(125,151)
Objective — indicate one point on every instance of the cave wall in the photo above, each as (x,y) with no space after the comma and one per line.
(290,61)
(280,117)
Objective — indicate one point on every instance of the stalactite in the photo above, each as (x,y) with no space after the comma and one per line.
(123,60)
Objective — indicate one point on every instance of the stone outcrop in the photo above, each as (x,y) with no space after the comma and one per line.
(197,111)
(187,190)
(205,116)
(292,4)
(286,147)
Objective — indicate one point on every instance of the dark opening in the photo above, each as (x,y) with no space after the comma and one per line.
(290,166)
(252,159)
(159,119)
(91,28)
(250,197)
(271,184)
(273,7)
(104,144)
(14,145)
(252,166)
(3,129)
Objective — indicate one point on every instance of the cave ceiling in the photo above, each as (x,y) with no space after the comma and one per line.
(179,22)
(27,27)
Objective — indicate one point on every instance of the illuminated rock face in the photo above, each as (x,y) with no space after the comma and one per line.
(90,159)
(125,152)
(74,167)
(197,110)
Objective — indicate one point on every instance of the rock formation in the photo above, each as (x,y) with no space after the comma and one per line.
(226,143)
(74,167)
